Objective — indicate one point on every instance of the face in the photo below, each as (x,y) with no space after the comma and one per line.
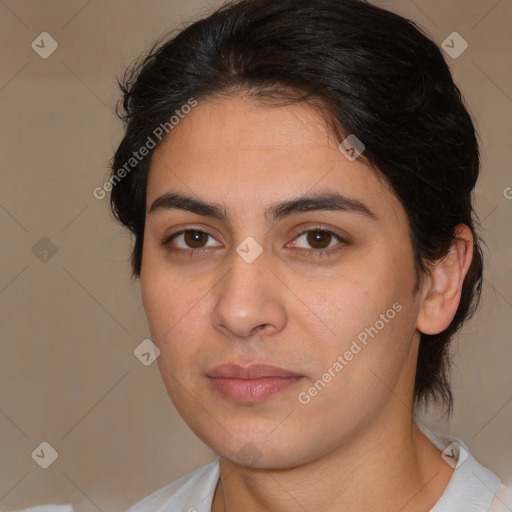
(287,254)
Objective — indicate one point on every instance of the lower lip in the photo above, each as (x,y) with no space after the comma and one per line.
(251,390)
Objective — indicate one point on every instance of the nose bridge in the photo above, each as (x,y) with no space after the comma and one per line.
(246,283)
(246,298)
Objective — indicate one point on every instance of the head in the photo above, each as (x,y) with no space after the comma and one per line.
(241,126)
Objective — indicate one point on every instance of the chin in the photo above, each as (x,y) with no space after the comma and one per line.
(262,455)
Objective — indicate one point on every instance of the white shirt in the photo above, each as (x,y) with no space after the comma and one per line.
(472,487)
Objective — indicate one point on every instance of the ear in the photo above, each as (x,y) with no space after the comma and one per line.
(442,288)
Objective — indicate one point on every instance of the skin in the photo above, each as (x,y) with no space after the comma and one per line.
(354,446)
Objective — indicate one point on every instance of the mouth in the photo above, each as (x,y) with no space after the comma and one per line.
(251,384)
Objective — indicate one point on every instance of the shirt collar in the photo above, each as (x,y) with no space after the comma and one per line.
(472,486)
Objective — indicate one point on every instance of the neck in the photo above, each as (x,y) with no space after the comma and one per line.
(389,466)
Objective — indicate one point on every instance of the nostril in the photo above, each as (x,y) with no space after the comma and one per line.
(259,328)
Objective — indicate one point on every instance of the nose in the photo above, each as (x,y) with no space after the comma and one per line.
(249,300)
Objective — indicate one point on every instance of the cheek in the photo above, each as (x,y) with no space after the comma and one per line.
(370,316)
(175,306)
(158,297)
(164,293)
(350,304)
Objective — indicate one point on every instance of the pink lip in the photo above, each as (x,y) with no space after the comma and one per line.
(254,371)
(252,384)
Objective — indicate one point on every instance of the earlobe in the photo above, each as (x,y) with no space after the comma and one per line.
(443,287)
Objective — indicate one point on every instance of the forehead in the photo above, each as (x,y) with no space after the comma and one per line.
(241,152)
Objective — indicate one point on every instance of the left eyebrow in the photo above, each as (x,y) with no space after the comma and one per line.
(329,201)
(326,201)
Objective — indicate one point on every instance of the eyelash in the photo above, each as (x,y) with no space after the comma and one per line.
(308,252)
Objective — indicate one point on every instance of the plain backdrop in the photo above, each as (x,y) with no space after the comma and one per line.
(70,316)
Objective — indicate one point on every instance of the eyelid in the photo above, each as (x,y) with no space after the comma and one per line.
(320,227)
(167,239)
(342,240)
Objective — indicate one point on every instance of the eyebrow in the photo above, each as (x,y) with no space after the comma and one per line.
(326,201)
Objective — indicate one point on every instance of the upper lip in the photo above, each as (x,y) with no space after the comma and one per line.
(254,371)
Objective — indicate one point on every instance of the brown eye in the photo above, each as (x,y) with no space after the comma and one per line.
(318,239)
(195,239)
(190,240)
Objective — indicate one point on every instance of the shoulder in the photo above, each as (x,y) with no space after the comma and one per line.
(192,492)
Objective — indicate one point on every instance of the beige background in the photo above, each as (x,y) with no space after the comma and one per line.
(69,325)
